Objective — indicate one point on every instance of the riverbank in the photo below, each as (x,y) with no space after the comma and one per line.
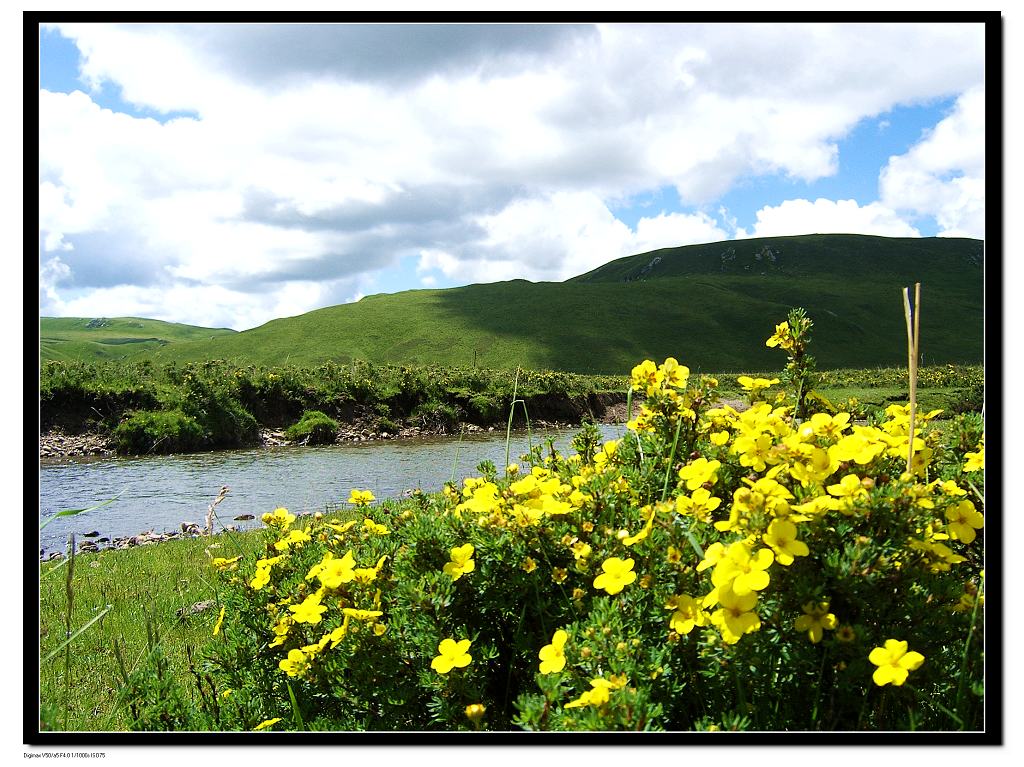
(59,444)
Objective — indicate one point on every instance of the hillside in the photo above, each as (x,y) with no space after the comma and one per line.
(711,306)
(99,339)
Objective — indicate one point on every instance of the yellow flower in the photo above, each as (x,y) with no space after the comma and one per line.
(845,634)
(552,656)
(687,614)
(699,472)
(361,498)
(334,572)
(742,572)
(815,620)
(782,337)
(962,520)
(975,461)
(362,615)
(220,622)
(629,540)
(338,634)
(279,518)
(600,694)
(342,528)
(825,425)
(296,664)
(736,615)
(262,575)
(699,505)
(267,723)
(644,376)
(781,536)
(580,550)
(222,564)
(671,373)
(294,538)
(461,562)
(558,575)
(894,662)
(310,610)
(451,654)
(475,712)
(529,565)
(617,574)
(754,386)
(374,528)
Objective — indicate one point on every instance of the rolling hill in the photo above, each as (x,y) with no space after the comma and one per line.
(102,338)
(711,306)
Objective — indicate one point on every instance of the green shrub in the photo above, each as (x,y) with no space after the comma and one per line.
(388,425)
(315,428)
(709,570)
(437,416)
(160,431)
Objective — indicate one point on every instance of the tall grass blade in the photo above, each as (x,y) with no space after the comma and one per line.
(671,459)
(962,682)
(55,569)
(511,412)
(68,606)
(458,447)
(296,713)
(73,512)
(77,633)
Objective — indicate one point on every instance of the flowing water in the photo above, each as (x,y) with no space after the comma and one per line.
(159,493)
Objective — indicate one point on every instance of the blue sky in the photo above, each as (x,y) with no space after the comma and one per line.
(225,175)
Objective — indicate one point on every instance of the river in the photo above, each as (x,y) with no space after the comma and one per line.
(159,493)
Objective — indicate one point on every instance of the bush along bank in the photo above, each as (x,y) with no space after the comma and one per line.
(141,408)
(711,570)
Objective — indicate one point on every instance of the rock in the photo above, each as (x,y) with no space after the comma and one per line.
(247,517)
(195,608)
(95,533)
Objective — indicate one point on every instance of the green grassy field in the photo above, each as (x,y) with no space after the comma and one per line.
(117,338)
(146,583)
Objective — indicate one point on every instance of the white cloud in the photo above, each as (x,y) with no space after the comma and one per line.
(560,236)
(829,217)
(487,153)
(51,273)
(943,176)
(202,303)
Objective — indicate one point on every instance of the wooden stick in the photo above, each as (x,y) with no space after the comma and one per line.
(913,348)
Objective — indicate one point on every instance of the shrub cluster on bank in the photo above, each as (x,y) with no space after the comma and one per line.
(197,406)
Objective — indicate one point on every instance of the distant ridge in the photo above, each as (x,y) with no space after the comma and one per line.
(711,306)
(113,338)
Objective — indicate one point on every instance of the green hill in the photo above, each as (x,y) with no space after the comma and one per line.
(710,306)
(98,339)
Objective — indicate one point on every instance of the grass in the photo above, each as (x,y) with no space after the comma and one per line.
(705,305)
(145,584)
(100,339)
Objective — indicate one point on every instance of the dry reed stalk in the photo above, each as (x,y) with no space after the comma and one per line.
(913,317)
(209,514)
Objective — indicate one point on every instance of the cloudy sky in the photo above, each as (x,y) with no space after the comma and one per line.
(225,175)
